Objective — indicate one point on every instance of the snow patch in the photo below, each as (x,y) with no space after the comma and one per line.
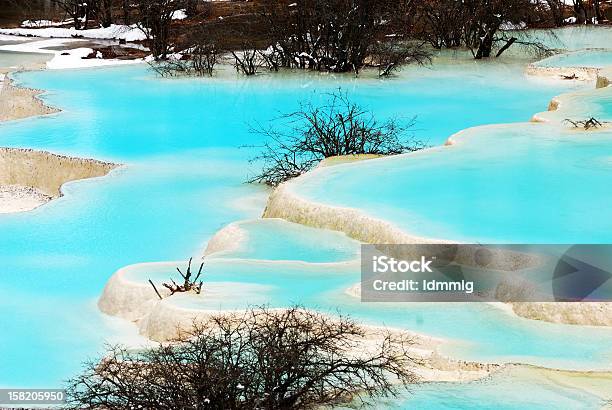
(64,59)
(44,23)
(6,37)
(508,25)
(179,14)
(113,32)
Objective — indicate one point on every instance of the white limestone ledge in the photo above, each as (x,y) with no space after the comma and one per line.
(17,102)
(42,174)
(574,313)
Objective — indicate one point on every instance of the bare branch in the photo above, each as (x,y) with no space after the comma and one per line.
(262,358)
(298,141)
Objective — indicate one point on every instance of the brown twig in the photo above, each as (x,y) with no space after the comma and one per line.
(155,289)
(586,124)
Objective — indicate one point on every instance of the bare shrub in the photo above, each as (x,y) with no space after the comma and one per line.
(331,36)
(171,67)
(155,19)
(389,56)
(298,141)
(190,283)
(264,359)
(204,58)
(486,27)
(200,60)
(248,60)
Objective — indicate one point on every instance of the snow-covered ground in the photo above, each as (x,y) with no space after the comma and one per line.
(6,37)
(114,32)
(45,23)
(65,58)
(54,40)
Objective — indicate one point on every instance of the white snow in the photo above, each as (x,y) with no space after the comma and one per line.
(114,32)
(512,26)
(74,59)
(5,37)
(44,23)
(179,14)
(64,59)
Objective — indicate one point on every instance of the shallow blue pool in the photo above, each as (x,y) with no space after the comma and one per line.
(514,389)
(529,183)
(586,58)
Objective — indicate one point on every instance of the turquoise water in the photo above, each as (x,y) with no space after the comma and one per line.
(509,390)
(276,239)
(583,104)
(590,58)
(529,183)
(476,329)
(571,38)
(162,117)
(183,182)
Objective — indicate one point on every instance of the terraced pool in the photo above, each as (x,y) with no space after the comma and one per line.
(183,182)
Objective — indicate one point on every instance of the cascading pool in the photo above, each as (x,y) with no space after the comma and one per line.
(524,183)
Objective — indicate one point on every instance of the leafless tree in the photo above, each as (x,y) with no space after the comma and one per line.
(30,9)
(587,11)
(105,12)
(171,67)
(264,358)
(330,35)
(84,12)
(298,141)
(77,10)
(199,56)
(486,27)
(272,58)
(556,11)
(597,10)
(444,22)
(126,11)
(155,19)
(580,11)
(204,58)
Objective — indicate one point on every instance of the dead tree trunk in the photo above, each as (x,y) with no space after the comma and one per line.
(580,12)
(506,46)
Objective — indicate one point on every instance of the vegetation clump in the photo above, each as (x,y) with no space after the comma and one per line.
(298,141)
(588,124)
(190,283)
(339,36)
(486,27)
(262,359)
